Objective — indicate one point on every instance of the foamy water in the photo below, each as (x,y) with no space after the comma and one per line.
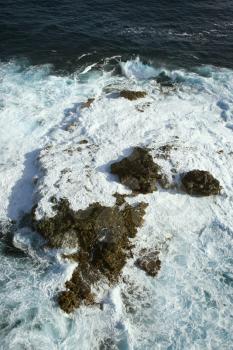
(189,304)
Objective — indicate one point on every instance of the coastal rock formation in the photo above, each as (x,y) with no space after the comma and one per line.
(101,234)
(150,263)
(138,171)
(132,95)
(200,182)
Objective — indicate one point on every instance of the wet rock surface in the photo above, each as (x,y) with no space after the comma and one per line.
(200,182)
(102,235)
(150,263)
(138,171)
(132,95)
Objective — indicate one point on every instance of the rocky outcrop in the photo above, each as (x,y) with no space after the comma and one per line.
(138,171)
(132,95)
(102,235)
(150,263)
(200,182)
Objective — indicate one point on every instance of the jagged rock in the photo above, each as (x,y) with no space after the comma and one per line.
(102,235)
(150,263)
(138,171)
(200,182)
(132,95)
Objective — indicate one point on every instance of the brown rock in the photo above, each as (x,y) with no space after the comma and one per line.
(103,237)
(138,171)
(132,95)
(150,263)
(200,182)
(88,103)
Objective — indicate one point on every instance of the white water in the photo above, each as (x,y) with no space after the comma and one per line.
(189,304)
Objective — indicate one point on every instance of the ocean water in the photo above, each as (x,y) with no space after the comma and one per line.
(53,57)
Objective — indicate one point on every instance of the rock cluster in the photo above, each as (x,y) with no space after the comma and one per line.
(102,234)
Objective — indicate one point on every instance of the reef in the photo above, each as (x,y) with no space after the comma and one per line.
(200,182)
(138,171)
(102,236)
(132,95)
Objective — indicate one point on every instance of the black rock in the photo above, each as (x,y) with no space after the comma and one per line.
(200,182)
(138,171)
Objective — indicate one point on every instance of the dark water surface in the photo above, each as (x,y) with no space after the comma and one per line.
(183,33)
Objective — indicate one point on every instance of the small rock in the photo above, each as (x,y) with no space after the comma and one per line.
(83,142)
(200,182)
(132,95)
(88,103)
(150,263)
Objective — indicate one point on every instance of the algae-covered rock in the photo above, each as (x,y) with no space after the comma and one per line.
(200,182)
(102,235)
(132,95)
(138,171)
(150,263)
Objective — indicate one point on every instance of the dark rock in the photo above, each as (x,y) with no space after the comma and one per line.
(83,142)
(164,151)
(164,80)
(138,171)
(132,95)
(102,235)
(120,198)
(88,103)
(68,301)
(200,182)
(108,344)
(150,263)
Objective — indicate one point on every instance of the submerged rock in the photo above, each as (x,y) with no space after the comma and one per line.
(200,182)
(88,103)
(164,80)
(132,95)
(150,263)
(102,235)
(138,171)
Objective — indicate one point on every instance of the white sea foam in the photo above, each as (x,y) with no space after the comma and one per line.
(188,306)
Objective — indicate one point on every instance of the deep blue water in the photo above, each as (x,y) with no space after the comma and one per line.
(181,32)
